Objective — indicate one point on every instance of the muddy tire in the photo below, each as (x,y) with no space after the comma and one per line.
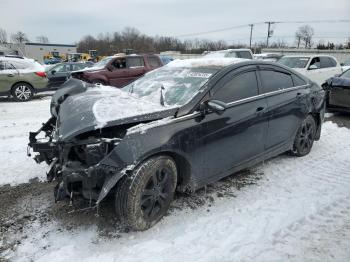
(22,92)
(305,137)
(143,198)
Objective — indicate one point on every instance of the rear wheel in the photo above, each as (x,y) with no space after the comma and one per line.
(305,137)
(144,198)
(22,92)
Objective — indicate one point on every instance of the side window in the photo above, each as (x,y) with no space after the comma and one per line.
(245,54)
(315,62)
(231,54)
(241,86)
(17,65)
(119,63)
(327,62)
(298,81)
(9,66)
(76,67)
(273,80)
(2,66)
(153,61)
(61,68)
(132,62)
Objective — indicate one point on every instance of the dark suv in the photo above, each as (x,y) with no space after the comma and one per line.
(119,71)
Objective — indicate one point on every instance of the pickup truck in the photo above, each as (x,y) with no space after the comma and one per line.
(316,67)
(118,70)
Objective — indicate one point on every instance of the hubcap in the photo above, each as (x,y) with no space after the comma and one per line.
(306,136)
(23,92)
(155,194)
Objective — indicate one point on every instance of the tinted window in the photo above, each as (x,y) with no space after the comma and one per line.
(2,66)
(241,86)
(119,63)
(327,62)
(134,62)
(153,61)
(298,81)
(273,80)
(244,54)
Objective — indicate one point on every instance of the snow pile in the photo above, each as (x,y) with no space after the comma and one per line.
(298,211)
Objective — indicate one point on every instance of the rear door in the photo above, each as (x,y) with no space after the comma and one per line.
(287,102)
(236,136)
(119,75)
(329,67)
(136,67)
(58,75)
(8,76)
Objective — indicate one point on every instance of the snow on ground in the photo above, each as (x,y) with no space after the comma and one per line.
(16,120)
(299,210)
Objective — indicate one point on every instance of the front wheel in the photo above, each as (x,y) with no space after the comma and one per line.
(305,137)
(144,198)
(22,92)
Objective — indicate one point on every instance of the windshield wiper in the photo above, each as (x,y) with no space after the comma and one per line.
(161,95)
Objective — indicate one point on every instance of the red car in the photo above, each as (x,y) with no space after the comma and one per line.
(119,71)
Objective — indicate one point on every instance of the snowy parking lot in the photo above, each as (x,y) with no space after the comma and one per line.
(288,208)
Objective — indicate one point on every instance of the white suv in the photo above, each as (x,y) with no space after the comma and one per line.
(316,67)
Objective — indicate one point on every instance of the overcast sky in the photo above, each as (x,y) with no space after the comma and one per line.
(66,21)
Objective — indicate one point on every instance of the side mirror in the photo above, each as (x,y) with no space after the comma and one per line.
(342,64)
(53,72)
(313,67)
(214,105)
(110,68)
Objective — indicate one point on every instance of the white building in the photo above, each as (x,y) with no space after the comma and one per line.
(38,50)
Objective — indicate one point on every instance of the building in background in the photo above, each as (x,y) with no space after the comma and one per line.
(36,51)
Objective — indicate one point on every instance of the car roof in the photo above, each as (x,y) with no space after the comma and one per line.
(309,56)
(205,62)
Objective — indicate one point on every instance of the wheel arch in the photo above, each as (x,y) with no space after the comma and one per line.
(24,82)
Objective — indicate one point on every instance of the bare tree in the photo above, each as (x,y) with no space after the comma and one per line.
(305,34)
(19,37)
(42,39)
(3,36)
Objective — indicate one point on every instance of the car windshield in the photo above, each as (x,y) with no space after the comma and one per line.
(294,62)
(103,62)
(218,54)
(171,86)
(346,74)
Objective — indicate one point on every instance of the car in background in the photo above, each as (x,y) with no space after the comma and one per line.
(21,78)
(316,67)
(119,70)
(338,92)
(183,126)
(166,59)
(59,73)
(345,65)
(272,57)
(231,53)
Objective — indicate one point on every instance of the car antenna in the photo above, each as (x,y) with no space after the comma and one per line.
(161,95)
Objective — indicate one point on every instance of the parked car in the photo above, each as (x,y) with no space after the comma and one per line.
(119,71)
(21,78)
(59,73)
(345,65)
(185,125)
(338,92)
(316,67)
(272,57)
(236,53)
(166,59)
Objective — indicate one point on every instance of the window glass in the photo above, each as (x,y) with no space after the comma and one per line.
(2,66)
(76,67)
(134,62)
(60,68)
(327,62)
(273,80)
(119,63)
(241,86)
(244,54)
(316,62)
(298,81)
(231,54)
(294,62)
(153,61)
(19,64)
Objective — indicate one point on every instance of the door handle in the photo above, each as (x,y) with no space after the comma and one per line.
(260,110)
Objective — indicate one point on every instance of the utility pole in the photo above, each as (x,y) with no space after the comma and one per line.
(269,32)
(251,34)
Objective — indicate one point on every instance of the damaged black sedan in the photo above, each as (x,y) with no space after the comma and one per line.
(180,127)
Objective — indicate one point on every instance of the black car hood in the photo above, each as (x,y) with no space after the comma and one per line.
(88,107)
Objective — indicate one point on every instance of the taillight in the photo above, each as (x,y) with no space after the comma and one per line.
(41,74)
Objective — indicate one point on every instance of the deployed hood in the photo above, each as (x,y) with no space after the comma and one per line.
(89,107)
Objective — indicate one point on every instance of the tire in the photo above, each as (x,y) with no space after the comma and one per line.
(305,137)
(142,199)
(22,92)
(98,82)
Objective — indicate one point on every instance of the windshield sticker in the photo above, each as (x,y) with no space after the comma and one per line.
(199,74)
